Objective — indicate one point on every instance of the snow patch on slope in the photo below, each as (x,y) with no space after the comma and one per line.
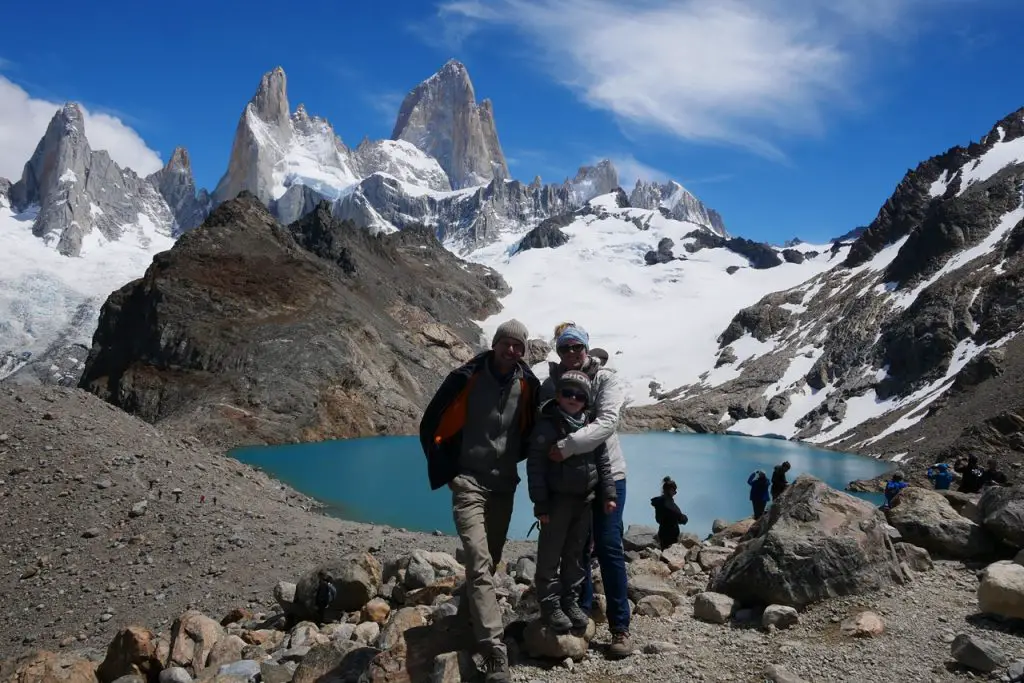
(659,323)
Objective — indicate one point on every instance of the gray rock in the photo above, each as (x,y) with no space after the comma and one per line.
(1001,590)
(284,594)
(176,674)
(640,537)
(780,674)
(779,616)
(977,653)
(660,648)
(926,519)
(273,673)
(642,586)
(419,573)
(525,570)
(244,669)
(713,607)
(1002,510)
(915,557)
(814,543)
(442,118)
(138,509)
(541,642)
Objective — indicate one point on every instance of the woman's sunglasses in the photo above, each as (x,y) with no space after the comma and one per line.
(573,394)
(571,348)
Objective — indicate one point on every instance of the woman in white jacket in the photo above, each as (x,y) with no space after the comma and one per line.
(572,344)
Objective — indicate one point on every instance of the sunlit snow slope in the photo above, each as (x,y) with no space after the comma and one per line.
(660,322)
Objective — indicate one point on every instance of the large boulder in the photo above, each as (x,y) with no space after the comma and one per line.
(926,519)
(1001,509)
(815,543)
(47,667)
(132,652)
(1001,590)
(357,577)
(193,637)
(541,642)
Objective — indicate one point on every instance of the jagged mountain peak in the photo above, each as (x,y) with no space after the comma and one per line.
(179,161)
(441,117)
(270,102)
(680,203)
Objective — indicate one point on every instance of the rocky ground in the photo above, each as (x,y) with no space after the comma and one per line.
(77,565)
(85,559)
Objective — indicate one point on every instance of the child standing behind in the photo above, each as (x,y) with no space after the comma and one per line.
(562,494)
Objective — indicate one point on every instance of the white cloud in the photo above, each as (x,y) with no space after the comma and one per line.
(23,120)
(739,72)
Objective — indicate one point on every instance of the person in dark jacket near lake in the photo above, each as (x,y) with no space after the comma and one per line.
(779,482)
(667,514)
(758,482)
(971,475)
(563,495)
(474,432)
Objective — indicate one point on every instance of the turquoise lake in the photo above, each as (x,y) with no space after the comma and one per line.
(384,479)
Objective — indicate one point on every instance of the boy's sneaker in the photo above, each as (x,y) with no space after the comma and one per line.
(621,646)
(553,617)
(576,615)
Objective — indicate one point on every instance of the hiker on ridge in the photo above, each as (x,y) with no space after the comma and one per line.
(474,432)
(971,475)
(563,495)
(667,514)
(758,482)
(608,393)
(779,482)
(940,476)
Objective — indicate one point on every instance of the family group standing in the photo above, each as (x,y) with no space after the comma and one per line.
(492,413)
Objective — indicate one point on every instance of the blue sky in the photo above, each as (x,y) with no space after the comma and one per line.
(791,117)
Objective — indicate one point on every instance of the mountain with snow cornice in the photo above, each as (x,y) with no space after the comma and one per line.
(908,348)
(444,170)
(678,202)
(73,228)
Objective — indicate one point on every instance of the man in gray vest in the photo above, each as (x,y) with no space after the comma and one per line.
(474,433)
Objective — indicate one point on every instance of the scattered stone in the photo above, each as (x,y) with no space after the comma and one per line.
(541,642)
(526,570)
(915,557)
(1001,590)
(323,661)
(131,652)
(376,610)
(245,669)
(779,616)
(103,484)
(655,606)
(978,654)
(91,532)
(642,586)
(862,625)
(779,674)
(193,637)
(660,647)
(366,633)
(926,519)
(713,607)
(176,674)
(357,578)
(138,509)
(639,537)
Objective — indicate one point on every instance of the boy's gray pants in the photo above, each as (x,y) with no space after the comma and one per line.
(560,570)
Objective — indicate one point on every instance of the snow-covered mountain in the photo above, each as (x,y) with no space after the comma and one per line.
(643,284)
(75,227)
(677,201)
(906,345)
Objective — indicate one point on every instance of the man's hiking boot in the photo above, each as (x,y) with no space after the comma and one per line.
(496,667)
(553,617)
(621,646)
(577,616)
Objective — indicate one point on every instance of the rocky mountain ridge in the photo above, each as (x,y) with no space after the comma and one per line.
(247,331)
(914,331)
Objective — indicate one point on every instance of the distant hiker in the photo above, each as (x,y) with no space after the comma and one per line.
(601,355)
(160,494)
(893,489)
(759,484)
(667,514)
(215,500)
(202,499)
(971,475)
(474,432)
(325,593)
(940,476)
(152,483)
(563,495)
(779,482)
(608,395)
(177,495)
(992,476)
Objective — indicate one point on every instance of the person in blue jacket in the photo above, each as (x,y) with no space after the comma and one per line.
(940,476)
(759,484)
(893,489)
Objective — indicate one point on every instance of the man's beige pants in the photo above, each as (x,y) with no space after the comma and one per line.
(481,519)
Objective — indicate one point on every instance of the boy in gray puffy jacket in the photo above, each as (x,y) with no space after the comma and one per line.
(562,493)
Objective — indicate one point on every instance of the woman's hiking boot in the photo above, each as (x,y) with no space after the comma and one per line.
(621,646)
(553,617)
(577,616)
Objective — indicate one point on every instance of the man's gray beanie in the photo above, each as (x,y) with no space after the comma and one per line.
(510,329)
